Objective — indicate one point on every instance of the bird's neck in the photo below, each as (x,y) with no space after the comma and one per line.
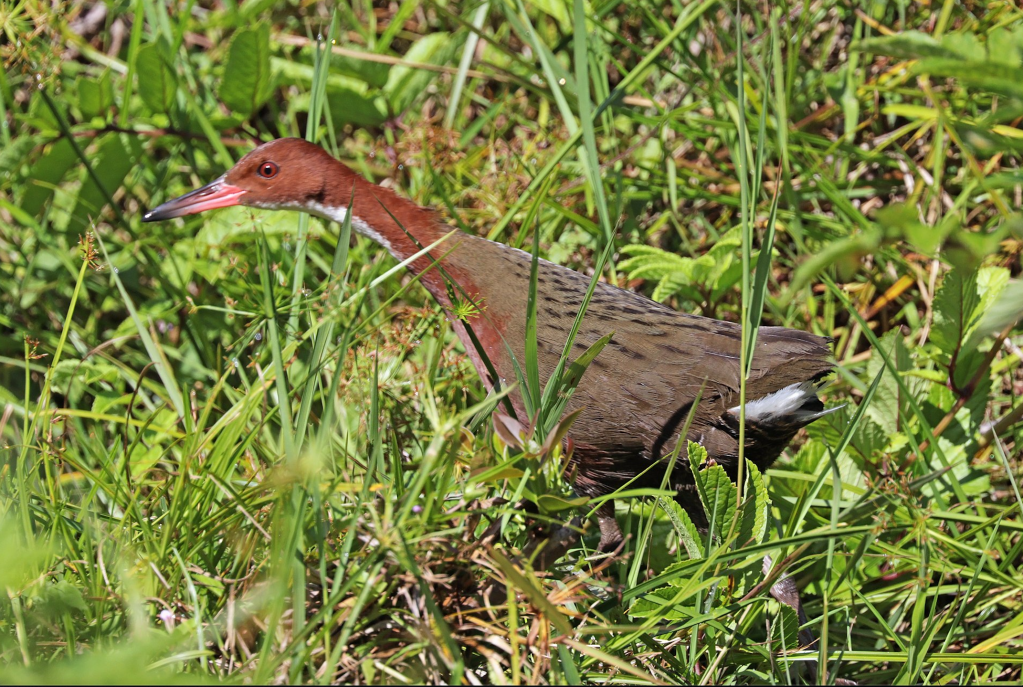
(397,224)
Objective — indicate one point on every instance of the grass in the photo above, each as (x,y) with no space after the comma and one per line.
(248,447)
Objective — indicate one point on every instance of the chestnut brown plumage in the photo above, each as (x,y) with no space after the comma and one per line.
(636,394)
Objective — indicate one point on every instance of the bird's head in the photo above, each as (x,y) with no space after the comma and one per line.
(286,174)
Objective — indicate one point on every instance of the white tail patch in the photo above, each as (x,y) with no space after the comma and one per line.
(784,405)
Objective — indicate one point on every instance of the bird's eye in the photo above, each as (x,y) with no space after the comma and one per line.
(268,170)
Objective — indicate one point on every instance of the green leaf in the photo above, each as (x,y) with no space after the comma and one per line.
(685,530)
(909,45)
(1006,46)
(111,164)
(247,82)
(903,219)
(157,83)
(884,408)
(45,174)
(14,156)
(571,378)
(60,598)
(372,72)
(966,250)
(786,627)
(348,106)
(558,10)
(350,100)
(718,496)
(716,491)
(657,604)
(95,96)
(406,83)
(955,308)
(1006,308)
(846,252)
(697,456)
(990,76)
(525,583)
(964,44)
(32,553)
(755,508)
(549,503)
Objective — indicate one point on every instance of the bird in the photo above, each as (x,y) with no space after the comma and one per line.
(662,368)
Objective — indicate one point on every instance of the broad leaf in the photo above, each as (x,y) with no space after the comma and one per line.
(550,503)
(45,174)
(247,81)
(955,307)
(884,409)
(685,530)
(718,495)
(406,83)
(111,163)
(755,507)
(910,45)
(157,83)
(95,96)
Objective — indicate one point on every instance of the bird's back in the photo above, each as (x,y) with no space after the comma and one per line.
(638,392)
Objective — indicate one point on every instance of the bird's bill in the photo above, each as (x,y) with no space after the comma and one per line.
(216,194)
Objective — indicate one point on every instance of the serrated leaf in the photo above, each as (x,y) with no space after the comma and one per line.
(685,530)
(868,438)
(697,456)
(669,286)
(157,82)
(785,627)
(654,263)
(755,507)
(657,604)
(955,307)
(1004,310)
(718,497)
(247,82)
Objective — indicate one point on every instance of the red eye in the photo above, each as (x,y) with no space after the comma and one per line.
(268,170)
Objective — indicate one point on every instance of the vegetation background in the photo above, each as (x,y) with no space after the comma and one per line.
(243,446)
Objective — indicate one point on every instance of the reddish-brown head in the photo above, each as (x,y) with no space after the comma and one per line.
(286,174)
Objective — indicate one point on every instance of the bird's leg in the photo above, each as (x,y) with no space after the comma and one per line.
(610,533)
